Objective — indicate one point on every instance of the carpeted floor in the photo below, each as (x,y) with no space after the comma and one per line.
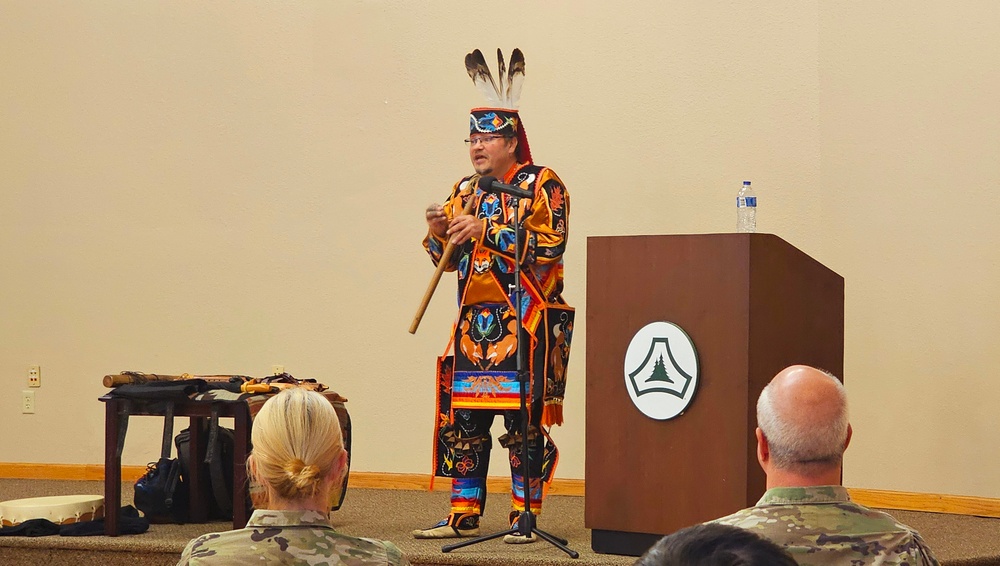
(391,514)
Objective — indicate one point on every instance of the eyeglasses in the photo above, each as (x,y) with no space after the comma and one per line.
(483,139)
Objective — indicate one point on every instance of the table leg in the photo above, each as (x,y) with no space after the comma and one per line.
(112,469)
(241,445)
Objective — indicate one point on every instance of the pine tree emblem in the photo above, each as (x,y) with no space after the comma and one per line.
(659,372)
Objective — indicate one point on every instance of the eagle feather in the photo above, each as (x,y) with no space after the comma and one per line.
(502,74)
(515,80)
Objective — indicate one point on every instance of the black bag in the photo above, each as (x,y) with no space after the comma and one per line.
(216,466)
(161,493)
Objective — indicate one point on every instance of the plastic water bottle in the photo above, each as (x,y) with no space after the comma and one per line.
(746,209)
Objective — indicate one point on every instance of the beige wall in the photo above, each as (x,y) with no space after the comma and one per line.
(224,186)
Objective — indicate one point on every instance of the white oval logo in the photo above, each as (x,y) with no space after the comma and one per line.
(661,370)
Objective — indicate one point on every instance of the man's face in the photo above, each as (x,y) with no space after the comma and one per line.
(492,154)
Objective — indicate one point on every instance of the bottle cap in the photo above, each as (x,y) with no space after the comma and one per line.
(746,182)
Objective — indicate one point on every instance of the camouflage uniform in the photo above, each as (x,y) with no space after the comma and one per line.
(821,526)
(289,537)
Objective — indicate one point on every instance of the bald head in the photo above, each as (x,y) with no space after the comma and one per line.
(803,415)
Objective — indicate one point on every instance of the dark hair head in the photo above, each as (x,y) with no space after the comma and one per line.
(713,544)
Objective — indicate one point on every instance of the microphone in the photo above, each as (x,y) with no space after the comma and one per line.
(490,184)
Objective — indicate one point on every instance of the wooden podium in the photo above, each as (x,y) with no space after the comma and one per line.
(753,305)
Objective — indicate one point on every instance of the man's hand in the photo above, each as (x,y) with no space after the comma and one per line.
(437,221)
(464,227)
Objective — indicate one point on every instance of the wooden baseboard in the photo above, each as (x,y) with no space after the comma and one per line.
(930,502)
(379,480)
(883,499)
(363,480)
(87,472)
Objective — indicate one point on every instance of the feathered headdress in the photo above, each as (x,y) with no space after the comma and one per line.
(502,100)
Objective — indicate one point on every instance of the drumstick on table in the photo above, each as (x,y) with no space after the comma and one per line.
(129,378)
(442,263)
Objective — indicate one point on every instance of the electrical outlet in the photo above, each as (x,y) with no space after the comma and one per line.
(277,370)
(27,401)
(34,376)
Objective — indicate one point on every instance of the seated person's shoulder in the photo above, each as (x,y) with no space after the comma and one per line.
(364,551)
(393,555)
(288,545)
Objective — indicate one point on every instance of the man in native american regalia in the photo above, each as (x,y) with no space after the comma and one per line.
(480,380)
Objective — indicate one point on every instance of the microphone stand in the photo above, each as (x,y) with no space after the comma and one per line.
(526,522)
